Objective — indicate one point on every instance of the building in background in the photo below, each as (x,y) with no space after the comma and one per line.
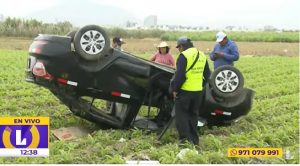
(150,21)
(131,24)
(1,17)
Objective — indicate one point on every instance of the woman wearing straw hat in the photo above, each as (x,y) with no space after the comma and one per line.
(163,56)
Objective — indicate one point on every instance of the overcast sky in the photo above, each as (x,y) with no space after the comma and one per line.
(213,13)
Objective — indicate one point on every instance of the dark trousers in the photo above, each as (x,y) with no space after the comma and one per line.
(187,106)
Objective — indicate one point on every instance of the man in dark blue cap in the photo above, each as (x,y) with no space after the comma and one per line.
(117,43)
(111,107)
(192,72)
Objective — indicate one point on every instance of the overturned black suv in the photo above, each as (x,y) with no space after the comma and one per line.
(105,85)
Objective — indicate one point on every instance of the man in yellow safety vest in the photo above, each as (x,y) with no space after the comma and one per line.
(192,72)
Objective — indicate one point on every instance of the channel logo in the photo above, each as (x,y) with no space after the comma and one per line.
(24,136)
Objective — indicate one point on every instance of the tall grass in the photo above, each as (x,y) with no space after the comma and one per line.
(236,36)
(17,27)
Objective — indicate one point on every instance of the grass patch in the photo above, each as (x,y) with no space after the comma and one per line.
(272,122)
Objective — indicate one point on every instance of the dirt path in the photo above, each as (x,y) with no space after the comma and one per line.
(245,48)
(143,46)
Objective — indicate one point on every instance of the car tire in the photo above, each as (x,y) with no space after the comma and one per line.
(91,42)
(226,81)
(71,34)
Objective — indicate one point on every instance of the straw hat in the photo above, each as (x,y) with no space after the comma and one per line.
(163,44)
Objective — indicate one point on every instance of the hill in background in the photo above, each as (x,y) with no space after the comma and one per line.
(78,15)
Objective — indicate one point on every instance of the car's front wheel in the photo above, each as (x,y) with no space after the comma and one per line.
(227,81)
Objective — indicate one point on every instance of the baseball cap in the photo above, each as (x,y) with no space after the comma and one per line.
(220,36)
(182,40)
(118,40)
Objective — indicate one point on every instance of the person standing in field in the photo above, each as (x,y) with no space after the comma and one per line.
(163,56)
(225,51)
(192,71)
(117,43)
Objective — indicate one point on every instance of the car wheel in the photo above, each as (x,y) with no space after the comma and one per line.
(226,81)
(91,42)
(71,34)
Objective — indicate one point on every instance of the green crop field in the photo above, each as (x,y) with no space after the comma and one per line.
(273,121)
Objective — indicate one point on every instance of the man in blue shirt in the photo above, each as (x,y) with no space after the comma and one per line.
(225,51)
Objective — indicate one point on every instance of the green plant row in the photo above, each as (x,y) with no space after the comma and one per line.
(17,27)
(236,36)
(273,121)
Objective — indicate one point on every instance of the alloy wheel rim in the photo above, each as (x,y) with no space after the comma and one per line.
(227,81)
(92,42)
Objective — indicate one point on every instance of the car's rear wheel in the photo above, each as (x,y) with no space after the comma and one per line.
(91,42)
(227,81)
